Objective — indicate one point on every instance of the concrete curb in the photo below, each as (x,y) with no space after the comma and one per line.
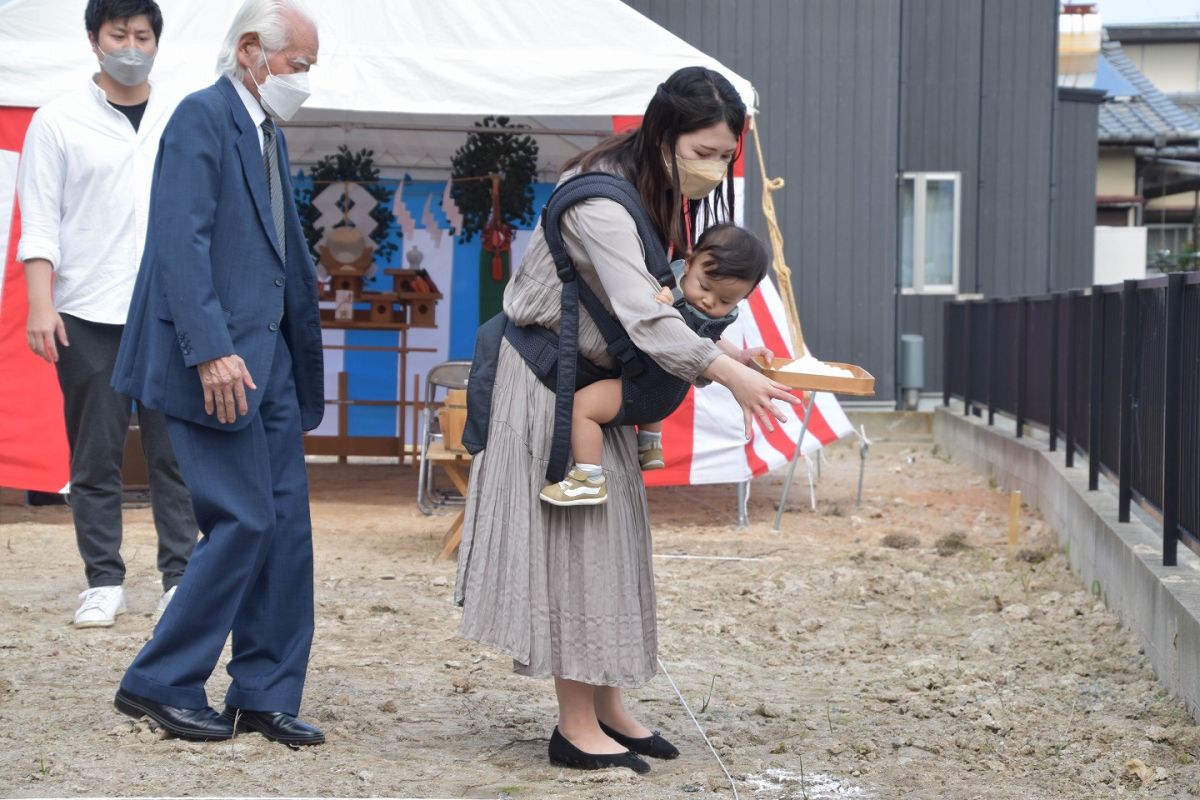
(1121,562)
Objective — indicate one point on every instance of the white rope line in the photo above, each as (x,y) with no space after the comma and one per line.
(708,558)
(699,727)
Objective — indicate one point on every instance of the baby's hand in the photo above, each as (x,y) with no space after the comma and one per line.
(664,296)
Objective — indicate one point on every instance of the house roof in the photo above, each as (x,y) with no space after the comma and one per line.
(1155,32)
(1189,102)
(1136,112)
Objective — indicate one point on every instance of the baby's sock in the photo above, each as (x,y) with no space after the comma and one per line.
(594,472)
(649,439)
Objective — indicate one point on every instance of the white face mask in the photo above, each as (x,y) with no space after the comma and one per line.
(282,95)
(128,66)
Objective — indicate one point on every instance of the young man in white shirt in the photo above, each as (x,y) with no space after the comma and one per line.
(84,189)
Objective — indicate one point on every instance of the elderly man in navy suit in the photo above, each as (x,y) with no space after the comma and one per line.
(224,337)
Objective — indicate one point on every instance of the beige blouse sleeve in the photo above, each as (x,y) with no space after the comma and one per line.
(602,239)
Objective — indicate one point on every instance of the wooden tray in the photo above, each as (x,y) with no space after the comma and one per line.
(862,384)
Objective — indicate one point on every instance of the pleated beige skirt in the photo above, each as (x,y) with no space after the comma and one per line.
(566,592)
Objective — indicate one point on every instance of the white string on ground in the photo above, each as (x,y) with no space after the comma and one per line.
(699,727)
(707,558)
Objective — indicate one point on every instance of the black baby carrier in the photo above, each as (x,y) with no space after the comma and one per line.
(649,393)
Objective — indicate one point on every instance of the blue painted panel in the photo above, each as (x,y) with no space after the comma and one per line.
(371,376)
(464,298)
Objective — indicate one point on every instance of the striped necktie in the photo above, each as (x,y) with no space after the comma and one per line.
(274,185)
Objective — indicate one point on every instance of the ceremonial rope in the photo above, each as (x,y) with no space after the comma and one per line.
(777,261)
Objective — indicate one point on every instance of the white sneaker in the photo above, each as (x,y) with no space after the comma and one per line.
(163,602)
(100,607)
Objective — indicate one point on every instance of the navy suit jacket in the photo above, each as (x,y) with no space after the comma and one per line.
(212,282)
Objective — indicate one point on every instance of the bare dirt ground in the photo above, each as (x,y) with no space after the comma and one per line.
(892,650)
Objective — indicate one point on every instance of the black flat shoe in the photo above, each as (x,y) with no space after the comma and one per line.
(276,726)
(565,754)
(196,724)
(653,745)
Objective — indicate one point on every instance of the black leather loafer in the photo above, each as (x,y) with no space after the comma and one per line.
(276,726)
(197,724)
(565,754)
(653,745)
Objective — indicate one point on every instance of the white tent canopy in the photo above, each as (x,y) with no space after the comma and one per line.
(424,67)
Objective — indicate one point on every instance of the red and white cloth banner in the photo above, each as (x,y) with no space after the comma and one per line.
(704,440)
(33,439)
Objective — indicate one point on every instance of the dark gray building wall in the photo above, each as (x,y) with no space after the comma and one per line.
(1075,188)
(978,98)
(940,60)
(855,92)
(826,73)
(1017,100)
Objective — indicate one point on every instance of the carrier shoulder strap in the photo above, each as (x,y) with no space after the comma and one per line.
(587,186)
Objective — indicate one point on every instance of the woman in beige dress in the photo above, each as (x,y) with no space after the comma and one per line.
(568,593)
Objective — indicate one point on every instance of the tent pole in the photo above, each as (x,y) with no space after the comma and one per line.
(791,475)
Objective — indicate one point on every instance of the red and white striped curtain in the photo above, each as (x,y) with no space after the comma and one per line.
(33,440)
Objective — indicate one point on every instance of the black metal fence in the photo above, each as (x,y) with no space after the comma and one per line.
(1112,374)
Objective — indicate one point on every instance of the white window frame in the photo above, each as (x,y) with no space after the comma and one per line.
(920,179)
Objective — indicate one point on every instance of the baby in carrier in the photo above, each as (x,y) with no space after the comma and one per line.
(726,265)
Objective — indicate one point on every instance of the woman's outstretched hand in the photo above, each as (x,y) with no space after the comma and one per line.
(754,392)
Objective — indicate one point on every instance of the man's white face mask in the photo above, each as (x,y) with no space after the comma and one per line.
(282,95)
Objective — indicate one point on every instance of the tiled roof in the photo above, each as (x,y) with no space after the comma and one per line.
(1139,118)
(1188,102)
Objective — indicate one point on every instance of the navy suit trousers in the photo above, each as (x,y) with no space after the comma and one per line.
(252,571)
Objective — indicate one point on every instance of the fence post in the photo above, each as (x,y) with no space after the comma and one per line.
(947,337)
(1172,381)
(1096,346)
(993,358)
(1129,336)
(1022,361)
(1069,433)
(1055,328)
(968,314)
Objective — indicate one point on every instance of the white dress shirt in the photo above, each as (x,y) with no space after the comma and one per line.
(253,107)
(84,190)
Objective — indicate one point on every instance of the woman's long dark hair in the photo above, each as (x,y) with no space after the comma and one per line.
(691,99)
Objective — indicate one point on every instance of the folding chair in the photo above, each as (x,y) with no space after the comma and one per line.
(445,376)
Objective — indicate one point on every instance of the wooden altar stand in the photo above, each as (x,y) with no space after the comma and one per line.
(457,465)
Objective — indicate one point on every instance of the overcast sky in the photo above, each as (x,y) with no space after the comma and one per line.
(1121,12)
